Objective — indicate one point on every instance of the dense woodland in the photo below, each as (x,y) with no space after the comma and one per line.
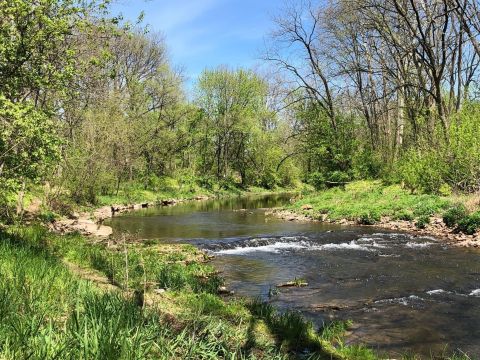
(349,89)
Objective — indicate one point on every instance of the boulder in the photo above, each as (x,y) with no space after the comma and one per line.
(201,197)
(168,202)
(224,291)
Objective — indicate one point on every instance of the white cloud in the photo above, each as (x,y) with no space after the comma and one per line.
(172,14)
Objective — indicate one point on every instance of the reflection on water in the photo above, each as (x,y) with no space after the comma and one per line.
(404,293)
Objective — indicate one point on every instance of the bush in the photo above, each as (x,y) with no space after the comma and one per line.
(336,178)
(422,222)
(369,218)
(470,224)
(366,164)
(317,180)
(464,149)
(453,215)
(289,174)
(404,215)
(269,180)
(207,182)
(422,171)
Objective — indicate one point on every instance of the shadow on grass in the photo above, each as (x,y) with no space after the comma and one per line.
(291,331)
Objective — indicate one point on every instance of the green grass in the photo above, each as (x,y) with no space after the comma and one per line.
(368,201)
(48,312)
(293,331)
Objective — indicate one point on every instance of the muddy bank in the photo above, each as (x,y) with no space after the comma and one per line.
(91,223)
(436,227)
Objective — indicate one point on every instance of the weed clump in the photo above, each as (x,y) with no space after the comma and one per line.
(405,215)
(454,214)
(178,277)
(470,224)
(422,222)
(369,218)
(290,326)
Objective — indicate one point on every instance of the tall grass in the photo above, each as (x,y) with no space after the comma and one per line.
(49,313)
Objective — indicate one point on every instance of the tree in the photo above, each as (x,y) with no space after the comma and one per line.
(233,104)
(36,66)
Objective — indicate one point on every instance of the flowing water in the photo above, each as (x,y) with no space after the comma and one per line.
(404,293)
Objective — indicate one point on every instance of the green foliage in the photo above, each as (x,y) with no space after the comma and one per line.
(28,144)
(422,222)
(328,180)
(370,200)
(368,218)
(422,172)
(178,277)
(470,224)
(338,177)
(454,214)
(447,165)
(405,215)
(317,180)
(238,135)
(290,326)
(366,164)
(36,52)
(463,156)
(48,313)
(296,333)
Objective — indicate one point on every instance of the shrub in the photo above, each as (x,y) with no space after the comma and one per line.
(427,208)
(317,180)
(422,222)
(453,215)
(404,215)
(445,190)
(207,182)
(366,164)
(422,171)
(336,178)
(470,224)
(369,218)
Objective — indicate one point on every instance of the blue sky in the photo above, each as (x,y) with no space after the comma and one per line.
(206,33)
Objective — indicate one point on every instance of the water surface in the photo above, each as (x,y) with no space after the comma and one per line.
(404,293)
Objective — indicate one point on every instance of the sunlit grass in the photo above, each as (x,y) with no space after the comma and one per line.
(370,200)
(48,312)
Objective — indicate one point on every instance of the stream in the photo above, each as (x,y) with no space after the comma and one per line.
(404,293)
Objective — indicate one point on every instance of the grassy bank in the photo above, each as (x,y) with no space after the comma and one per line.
(56,302)
(371,202)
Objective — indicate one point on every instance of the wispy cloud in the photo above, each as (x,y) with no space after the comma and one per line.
(206,33)
(170,15)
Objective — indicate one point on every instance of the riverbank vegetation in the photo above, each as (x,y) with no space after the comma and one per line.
(374,203)
(379,98)
(57,301)
(93,110)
